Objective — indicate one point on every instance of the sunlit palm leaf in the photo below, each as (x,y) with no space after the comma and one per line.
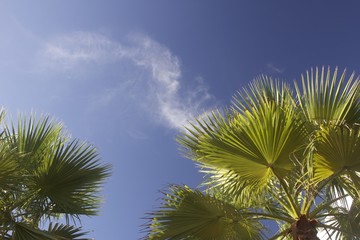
(263,89)
(337,151)
(251,145)
(288,159)
(190,214)
(325,97)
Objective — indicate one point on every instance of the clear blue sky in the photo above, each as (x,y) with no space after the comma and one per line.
(126,74)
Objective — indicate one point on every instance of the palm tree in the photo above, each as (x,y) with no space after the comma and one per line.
(46,177)
(289,158)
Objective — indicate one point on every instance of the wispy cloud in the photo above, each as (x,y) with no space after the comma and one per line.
(272,68)
(165,96)
(67,52)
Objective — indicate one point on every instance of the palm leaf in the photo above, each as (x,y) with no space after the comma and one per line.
(343,223)
(33,138)
(9,166)
(337,151)
(250,145)
(190,214)
(66,232)
(23,231)
(55,176)
(70,179)
(325,97)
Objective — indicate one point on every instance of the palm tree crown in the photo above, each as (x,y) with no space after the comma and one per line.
(279,154)
(44,176)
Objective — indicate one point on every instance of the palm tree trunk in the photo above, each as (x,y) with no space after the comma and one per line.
(304,229)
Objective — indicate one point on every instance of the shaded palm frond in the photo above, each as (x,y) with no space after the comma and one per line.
(342,222)
(190,214)
(66,232)
(33,138)
(69,180)
(23,231)
(44,175)
(9,166)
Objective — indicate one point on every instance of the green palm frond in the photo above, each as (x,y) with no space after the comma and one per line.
(344,223)
(23,231)
(336,151)
(33,138)
(44,175)
(249,145)
(273,155)
(190,214)
(263,89)
(70,179)
(65,232)
(325,97)
(8,165)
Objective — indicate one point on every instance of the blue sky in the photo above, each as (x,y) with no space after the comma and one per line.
(125,75)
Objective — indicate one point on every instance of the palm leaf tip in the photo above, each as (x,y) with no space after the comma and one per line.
(62,231)
(327,97)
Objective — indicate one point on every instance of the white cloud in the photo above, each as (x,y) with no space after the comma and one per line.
(164,96)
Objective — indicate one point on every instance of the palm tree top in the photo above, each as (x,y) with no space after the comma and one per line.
(46,176)
(278,153)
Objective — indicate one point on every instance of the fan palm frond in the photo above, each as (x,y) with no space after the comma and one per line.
(325,97)
(273,155)
(43,175)
(342,222)
(251,146)
(336,151)
(70,179)
(66,232)
(190,214)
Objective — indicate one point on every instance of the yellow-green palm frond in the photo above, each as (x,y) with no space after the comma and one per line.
(272,156)
(249,146)
(325,97)
(190,214)
(336,151)
(262,90)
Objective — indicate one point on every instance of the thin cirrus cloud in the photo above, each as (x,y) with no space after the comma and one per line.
(274,69)
(166,97)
